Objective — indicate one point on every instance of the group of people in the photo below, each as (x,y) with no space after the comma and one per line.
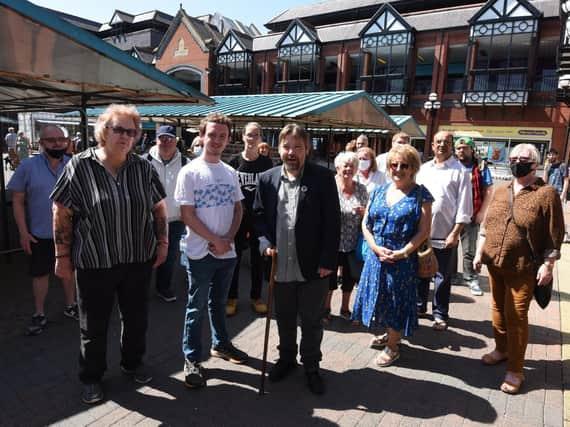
(118,215)
(17,146)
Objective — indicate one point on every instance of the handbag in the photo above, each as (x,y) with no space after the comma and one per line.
(542,294)
(427,261)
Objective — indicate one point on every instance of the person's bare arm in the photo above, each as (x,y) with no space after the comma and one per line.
(63,239)
(19,207)
(487,196)
(159,213)
(236,221)
(218,244)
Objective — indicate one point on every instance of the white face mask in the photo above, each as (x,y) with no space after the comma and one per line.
(363,165)
(197,149)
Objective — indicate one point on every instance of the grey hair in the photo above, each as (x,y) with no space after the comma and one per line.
(533,151)
(344,157)
(362,136)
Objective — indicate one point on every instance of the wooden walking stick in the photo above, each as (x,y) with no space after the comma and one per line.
(268,322)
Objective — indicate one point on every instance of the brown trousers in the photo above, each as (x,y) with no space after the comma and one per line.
(511,295)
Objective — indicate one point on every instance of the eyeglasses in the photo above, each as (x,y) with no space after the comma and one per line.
(53,140)
(118,130)
(441,142)
(403,166)
(165,138)
(520,159)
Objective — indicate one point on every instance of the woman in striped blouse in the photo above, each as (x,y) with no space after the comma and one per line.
(110,227)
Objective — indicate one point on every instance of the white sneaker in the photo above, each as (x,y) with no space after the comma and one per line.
(475,288)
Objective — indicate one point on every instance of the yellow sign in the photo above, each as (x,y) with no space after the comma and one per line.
(510,132)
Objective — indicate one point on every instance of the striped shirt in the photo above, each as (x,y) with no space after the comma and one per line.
(112,217)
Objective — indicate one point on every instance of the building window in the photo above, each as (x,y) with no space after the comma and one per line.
(546,78)
(331,72)
(385,46)
(501,34)
(424,70)
(456,65)
(233,68)
(298,53)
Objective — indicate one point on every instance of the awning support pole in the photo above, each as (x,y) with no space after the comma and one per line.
(84,124)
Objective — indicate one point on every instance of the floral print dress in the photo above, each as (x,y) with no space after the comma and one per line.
(387,292)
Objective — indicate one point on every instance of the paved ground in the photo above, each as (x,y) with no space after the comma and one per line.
(437,381)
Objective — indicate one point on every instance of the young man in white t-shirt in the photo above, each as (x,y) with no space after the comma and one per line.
(209,195)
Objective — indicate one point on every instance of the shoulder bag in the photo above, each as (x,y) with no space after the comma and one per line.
(427,261)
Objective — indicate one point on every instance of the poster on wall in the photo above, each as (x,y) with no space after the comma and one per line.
(497,151)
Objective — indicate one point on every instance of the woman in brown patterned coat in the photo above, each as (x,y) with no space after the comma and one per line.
(519,243)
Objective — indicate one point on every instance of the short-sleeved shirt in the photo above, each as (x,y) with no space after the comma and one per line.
(350,222)
(112,216)
(37,179)
(213,190)
(10,140)
(557,173)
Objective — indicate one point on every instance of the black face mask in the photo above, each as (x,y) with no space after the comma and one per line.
(521,169)
(55,153)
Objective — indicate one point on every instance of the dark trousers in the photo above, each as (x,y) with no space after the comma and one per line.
(96,291)
(256,268)
(306,300)
(164,271)
(447,260)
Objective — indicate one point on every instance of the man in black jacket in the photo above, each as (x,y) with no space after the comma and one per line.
(297,216)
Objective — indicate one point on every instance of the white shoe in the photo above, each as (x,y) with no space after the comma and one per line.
(475,288)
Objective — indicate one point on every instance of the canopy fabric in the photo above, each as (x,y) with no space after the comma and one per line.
(353,109)
(48,64)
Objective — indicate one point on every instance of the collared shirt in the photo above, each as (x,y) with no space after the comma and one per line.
(113,221)
(450,187)
(36,179)
(11,139)
(288,269)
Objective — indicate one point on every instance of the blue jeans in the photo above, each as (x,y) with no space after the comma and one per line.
(209,281)
(165,270)
(447,260)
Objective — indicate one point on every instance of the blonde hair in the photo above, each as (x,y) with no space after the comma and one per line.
(373,164)
(409,154)
(350,146)
(112,111)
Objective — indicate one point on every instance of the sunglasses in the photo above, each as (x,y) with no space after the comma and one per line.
(54,139)
(118,130)
(403,166)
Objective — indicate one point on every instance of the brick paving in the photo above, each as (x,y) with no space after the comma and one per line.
(437,381)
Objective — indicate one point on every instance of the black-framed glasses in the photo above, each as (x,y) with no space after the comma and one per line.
(395,166)
(118,130)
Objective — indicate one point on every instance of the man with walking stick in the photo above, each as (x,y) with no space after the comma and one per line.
(297,215)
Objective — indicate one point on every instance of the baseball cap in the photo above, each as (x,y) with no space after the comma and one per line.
(465,140)
(166,130)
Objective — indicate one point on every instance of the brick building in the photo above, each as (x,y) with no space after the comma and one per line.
(488,70)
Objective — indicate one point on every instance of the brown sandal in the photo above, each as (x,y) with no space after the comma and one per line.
(512,383)
(493,358)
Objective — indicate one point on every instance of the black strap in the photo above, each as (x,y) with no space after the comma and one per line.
(183,159)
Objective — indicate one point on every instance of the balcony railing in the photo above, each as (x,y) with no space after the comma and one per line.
(390,99)
(495,97)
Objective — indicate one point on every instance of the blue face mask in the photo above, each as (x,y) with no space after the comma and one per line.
(197,149)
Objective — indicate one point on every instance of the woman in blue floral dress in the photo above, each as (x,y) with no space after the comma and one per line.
(397,220)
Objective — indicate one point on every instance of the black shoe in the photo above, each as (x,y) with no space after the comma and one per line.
(280,370)
(167,295)
(315,382)
(92,393)
(141,374)
(422,310)
(229,352)
(71,311)
(194,375)
(37,325)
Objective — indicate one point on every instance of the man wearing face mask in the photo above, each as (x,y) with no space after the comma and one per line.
(32,184)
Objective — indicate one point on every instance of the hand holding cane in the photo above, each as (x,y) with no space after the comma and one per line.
(273,254)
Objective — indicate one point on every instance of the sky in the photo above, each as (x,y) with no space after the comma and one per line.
(249,11)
